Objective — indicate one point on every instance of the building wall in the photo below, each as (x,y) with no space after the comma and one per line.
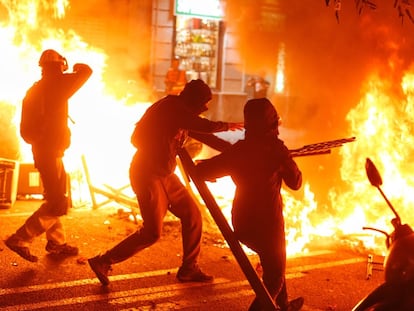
(230,96)
(122,29)
(138,35)
(233,78)
(162,41)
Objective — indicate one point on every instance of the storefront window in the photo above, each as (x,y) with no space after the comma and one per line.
(196,46)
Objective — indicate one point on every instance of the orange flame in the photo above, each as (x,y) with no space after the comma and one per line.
(381,121)
(101,123)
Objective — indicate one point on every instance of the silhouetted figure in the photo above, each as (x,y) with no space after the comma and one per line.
(49,139)
(257,87)
(175,79)
(158,136)
(258,165)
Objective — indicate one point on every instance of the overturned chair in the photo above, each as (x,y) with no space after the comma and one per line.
(110,193)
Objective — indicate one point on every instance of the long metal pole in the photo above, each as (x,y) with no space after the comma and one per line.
(215,211)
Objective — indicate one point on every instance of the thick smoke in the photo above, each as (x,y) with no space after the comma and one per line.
(122,29)
(328,61)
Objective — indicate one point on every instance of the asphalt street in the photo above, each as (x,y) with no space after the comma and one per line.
(330,276)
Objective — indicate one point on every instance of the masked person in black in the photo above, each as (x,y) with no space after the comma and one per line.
(45,127)
(158,136)
(258,165)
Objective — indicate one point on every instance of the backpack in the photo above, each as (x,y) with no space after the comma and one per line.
(32,125)
(137,135)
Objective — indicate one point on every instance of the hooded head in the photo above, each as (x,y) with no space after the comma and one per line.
(260,117)
(196,95)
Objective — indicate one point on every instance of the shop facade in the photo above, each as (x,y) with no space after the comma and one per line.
(142,37)
(194,32)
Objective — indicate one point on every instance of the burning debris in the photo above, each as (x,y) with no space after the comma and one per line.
(320,148)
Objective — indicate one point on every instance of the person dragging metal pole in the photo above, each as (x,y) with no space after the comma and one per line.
(228,234)
(258,165)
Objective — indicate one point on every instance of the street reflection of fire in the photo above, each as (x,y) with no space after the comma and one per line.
(381,121)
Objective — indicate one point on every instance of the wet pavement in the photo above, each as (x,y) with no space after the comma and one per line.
(329,277)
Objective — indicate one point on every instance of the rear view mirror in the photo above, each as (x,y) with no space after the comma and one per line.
(372,173)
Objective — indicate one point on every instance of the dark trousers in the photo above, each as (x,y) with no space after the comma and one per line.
(156,196)
(54,178)
(46,218)
(268,241)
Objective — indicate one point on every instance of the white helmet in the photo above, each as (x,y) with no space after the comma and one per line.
(51,56)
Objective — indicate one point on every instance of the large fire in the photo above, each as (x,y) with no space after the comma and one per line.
(102,124)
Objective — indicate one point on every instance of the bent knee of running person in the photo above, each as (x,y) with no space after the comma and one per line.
(151,235)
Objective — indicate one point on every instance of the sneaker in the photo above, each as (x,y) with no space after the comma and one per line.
(13,243)
(61,249)
(296,304)
(193,274)
(100,268)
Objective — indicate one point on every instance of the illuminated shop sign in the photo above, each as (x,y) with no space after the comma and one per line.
(209,9)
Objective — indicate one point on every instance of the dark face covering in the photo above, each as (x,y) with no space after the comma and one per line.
(196,95)
(260,118)
(202,108)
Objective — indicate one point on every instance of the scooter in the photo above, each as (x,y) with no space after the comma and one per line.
(397,291)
